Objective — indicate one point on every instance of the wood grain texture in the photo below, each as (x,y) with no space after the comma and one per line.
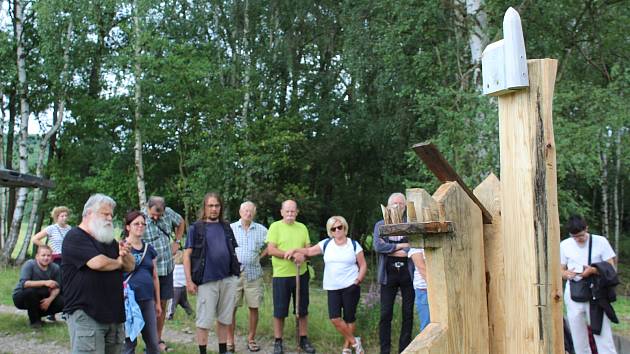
(489,194)
(530,215)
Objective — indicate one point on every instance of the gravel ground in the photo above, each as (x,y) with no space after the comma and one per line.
(28,343)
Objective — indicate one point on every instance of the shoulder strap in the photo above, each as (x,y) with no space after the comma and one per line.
(590,248)
(146,247)
(326,245)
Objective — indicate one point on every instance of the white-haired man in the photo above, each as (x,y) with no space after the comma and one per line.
(395,272)
(250,237)
(92,274)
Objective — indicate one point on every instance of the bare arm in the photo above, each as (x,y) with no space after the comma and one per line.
(421,266)
(39,237)
(306,251)
(103,263)
(156,289)
(274,251)
(362,268)
(41,283)
(190,286)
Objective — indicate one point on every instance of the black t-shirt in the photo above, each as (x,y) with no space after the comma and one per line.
(99,294)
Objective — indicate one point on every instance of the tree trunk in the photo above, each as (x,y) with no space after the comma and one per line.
(142,194)
(43,145)
(10,203)
(616,208)
(2,190)
(477,38)
(18,213)
(603,156)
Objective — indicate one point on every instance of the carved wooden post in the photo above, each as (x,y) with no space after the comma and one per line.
(530,215)
(456,271)
(489,194)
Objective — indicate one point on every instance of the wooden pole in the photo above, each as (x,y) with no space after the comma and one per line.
(530,215)
(489,194)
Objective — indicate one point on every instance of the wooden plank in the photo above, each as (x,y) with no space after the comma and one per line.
(10,178)
(432,340)
(530,216)
(489,194)
(416,228)
(463,255)
(435,161)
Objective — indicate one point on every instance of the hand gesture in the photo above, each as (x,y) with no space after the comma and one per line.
(289,254)
(52,284)
(123,248)
(298,258)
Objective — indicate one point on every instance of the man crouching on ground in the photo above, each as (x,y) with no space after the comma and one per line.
(92,274)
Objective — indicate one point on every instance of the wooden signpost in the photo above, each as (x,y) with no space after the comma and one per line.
(493,268)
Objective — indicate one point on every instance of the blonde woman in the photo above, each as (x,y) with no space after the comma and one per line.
(344,270)
(55,232)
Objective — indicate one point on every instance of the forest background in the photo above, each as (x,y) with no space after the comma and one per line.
(318,101)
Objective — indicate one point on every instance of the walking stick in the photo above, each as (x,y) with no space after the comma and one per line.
(297,306)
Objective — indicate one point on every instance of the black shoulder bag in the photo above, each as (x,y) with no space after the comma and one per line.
(581,290)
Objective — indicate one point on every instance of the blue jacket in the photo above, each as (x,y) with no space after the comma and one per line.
(384,248)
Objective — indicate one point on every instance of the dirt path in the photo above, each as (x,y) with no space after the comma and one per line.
(29,343)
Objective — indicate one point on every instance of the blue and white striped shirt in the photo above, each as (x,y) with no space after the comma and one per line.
(250,243)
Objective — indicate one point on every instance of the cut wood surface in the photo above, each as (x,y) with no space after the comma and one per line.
(436,163)
(489,194)
(455,275)
(530,215)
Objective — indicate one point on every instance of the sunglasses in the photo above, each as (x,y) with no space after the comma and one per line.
(333,229)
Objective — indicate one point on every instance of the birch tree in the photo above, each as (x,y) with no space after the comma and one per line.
(137,49)
(18,213)
(43,144)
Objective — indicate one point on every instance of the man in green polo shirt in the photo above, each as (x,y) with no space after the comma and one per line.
(282,236)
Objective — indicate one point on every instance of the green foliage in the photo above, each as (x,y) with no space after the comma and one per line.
(311,100)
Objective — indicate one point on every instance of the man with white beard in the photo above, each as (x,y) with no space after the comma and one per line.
(92,269)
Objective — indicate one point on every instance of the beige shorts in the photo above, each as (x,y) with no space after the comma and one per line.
(252,291)
(215,301)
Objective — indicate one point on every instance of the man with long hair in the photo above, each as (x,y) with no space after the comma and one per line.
(212,269)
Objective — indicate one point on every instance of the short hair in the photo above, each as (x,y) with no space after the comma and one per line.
(202,211)
(246,203)
(576,224)
(156,201)
(43,247)
(95,201)
(54,214)
(129,218)
(332,220)
(289,200)
(395,195)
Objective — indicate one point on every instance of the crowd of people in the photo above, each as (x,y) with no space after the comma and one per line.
(83,272)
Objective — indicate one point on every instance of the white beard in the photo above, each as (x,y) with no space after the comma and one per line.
(102,230)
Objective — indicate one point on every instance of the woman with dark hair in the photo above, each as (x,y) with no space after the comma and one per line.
(144,282)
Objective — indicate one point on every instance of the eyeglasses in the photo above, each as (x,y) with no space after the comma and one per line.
(138,224)
(335,228)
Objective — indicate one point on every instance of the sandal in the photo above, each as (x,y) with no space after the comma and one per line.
(252,346)
(165,348)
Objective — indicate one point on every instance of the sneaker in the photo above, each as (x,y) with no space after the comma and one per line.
(277,348)
(358,348)
(306,346)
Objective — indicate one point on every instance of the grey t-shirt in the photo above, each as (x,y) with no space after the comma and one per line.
(31,271)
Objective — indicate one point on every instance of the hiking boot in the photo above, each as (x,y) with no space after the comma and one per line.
(306,346)
(277,348)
